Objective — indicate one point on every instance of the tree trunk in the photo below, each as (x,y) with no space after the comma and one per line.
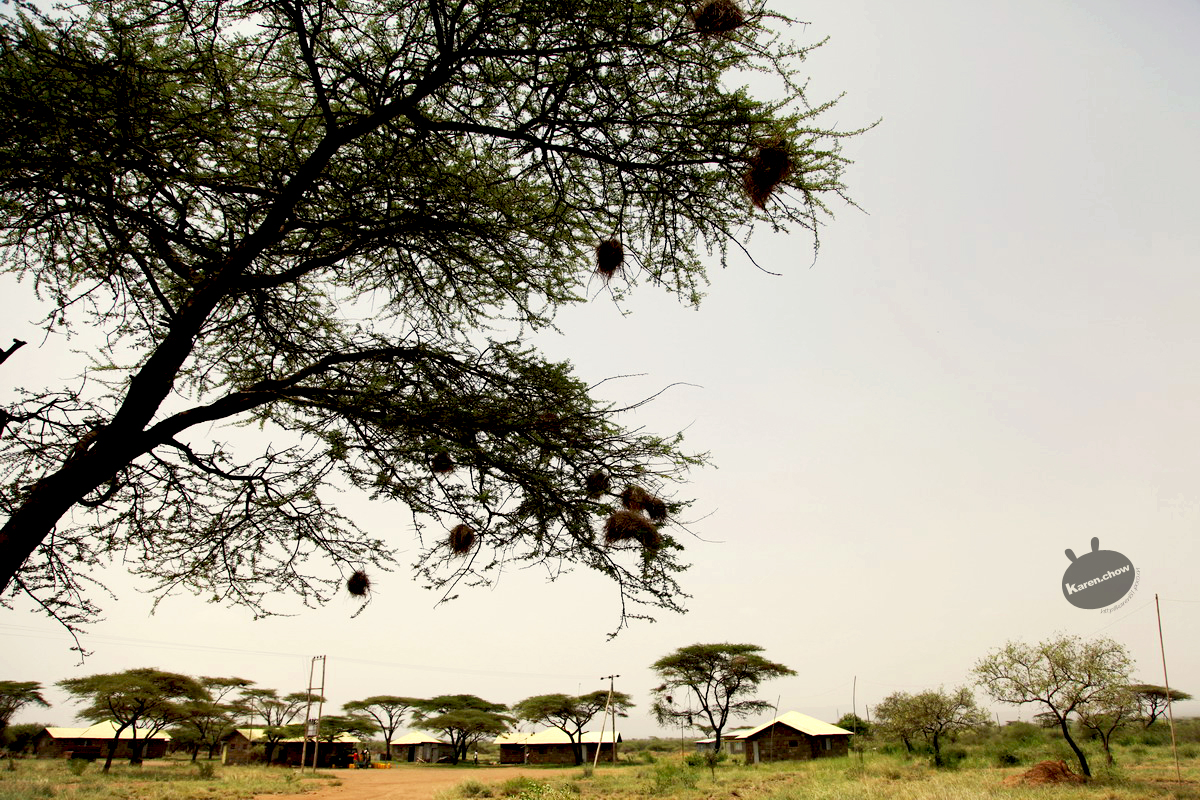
(937,751)
(112,751)
(1083,765)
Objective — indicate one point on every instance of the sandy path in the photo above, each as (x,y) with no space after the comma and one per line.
(413,783)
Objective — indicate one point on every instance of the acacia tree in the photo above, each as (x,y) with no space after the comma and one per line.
(276,712)
(338,221)
(938,714)
(387,711)
(334,725)
(144,699)
(206,721)
(1153,700)
(15,695)
(571,714)
(1107,713)
(894,716)
(463,719)
(720,678)
(1063,675)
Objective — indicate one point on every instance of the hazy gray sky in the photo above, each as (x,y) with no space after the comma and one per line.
(993,362)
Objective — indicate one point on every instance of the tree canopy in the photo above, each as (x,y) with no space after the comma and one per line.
(338,221)
(719,678)
(463,719)
(1152,699)
(15,695)
(938,714)
(571,714)
(144,699)
(388,712)
(1063,675)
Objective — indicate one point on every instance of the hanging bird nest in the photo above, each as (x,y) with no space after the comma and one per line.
(625,525)
(548,422)
(717,17)
(634,497)
(765,170)
(461,539)
(610,254)
(597,483)
(358,584)
(442,462)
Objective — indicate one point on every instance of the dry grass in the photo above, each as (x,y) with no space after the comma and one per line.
(878,777)
(166,780)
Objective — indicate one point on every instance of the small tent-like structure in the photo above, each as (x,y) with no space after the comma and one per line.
(553,746)
(789,737)
(92,742)
(421,748)
(239,745)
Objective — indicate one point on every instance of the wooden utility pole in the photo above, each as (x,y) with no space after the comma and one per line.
(604,721)
(1167,686)
(312,727)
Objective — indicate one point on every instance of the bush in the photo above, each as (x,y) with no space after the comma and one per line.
(705,759)
(1006,758)
(514,787)
(952,757)
(669,778)
(206,770)
(474,789)
(77,766)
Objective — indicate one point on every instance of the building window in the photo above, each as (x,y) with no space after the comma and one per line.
(828,742)
(793,743)
(737,747)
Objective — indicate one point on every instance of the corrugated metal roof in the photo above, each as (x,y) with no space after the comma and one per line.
(801,722)
(260,735)
(418,738)
(553,736)
(101,730)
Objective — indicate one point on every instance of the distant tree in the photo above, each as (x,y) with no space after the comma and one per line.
(939,714)
(15,695)
(388,712)
(144,699)
(276,713)
(895,717)
(1062,675)
(19,737)
(1153,700)
(570,714)
(340,221)
(1106,713)
(720,678)
(463,719)
(855,724)
(1044,719)
(334,725)
(209,720)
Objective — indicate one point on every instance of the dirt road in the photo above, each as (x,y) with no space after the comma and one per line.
(414,783)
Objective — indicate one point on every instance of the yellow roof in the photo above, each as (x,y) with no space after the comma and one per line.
(553,736)
(801,722)
(102,730)
(417,738)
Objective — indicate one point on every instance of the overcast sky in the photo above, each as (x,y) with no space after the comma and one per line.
(993,362)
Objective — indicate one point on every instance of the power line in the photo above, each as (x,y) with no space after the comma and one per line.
(35,633)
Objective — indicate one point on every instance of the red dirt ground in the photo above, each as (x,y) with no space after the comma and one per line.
(1042,773)
(415,783)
